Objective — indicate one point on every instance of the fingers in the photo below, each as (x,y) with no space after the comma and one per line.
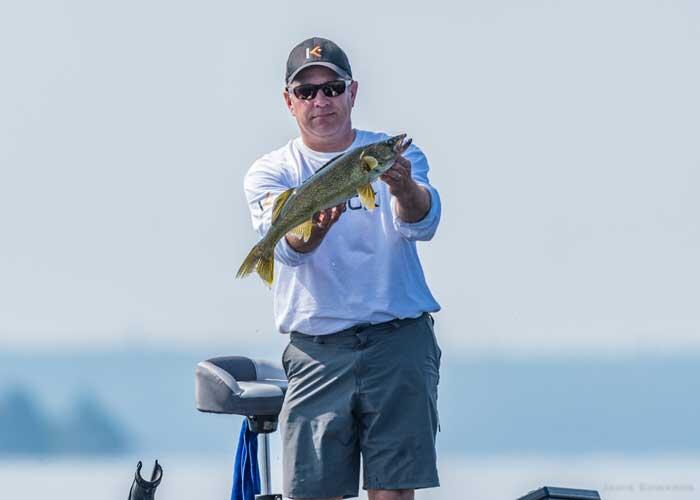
(400,160)
(401,169)
(336,212)
(326,218)
(396,175)
(403,166)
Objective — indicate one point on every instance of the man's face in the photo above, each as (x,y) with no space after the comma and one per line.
(322,116)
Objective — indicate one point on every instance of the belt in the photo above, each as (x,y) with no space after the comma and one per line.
(359,328)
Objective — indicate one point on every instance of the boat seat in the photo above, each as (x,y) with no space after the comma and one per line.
(240,385)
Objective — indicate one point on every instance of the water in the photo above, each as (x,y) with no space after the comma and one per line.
(489,477)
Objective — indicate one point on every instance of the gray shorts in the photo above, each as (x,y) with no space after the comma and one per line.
(369,390)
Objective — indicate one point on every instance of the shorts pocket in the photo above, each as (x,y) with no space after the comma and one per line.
(285,363)
(429,321)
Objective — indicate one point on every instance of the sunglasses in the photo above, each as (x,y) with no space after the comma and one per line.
(308,91)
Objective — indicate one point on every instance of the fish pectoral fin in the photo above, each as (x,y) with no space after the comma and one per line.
(280,202)
(366,194)
(303,231)
(369,162)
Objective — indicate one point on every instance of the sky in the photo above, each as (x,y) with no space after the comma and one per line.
(562,136)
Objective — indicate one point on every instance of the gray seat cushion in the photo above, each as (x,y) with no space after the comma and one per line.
(239,385)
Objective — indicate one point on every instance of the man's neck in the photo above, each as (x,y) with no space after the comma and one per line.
(329,145)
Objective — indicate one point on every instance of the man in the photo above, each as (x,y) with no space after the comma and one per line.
(362,361)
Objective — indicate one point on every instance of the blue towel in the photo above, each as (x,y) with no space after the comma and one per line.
(246,475)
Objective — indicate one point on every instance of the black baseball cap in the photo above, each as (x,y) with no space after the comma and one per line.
(317,51)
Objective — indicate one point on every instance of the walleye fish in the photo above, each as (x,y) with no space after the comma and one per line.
(334,183)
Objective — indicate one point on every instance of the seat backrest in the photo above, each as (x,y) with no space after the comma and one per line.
(239,385)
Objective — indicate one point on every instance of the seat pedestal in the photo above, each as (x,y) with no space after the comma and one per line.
(237,385)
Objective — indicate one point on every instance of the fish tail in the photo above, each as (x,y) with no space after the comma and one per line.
(261,261)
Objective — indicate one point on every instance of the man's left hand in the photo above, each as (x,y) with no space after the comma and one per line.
(413,200)
(399,179)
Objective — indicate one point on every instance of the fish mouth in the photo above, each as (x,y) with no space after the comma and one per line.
(400,143)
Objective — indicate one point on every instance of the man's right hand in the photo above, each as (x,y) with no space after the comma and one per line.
(322,222)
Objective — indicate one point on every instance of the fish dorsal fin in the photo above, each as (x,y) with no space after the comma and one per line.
(303,231)
(370,162)
(317,172)
(327,163)
(366,195)
(330,161)
(280,202)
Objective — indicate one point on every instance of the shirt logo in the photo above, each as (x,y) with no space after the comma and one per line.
(316,52)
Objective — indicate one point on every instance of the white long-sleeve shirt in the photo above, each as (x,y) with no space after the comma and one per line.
(366,269)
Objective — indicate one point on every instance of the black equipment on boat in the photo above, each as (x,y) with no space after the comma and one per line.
(142,489)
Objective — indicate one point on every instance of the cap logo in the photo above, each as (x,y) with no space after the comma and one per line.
(316,52)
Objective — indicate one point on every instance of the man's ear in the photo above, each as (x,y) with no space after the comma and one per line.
(288,101)
(353,91)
